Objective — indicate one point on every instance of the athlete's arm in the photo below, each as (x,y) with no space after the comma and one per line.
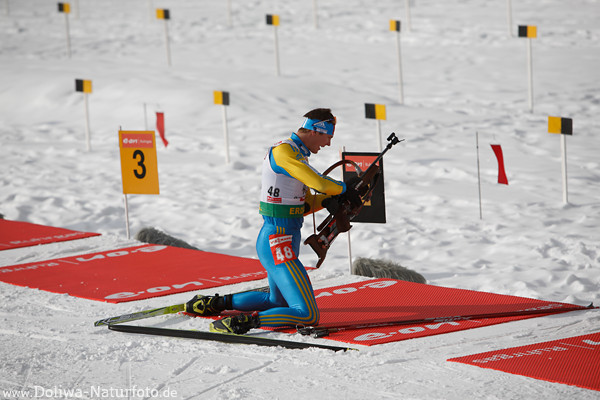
(312,202)
(285,157)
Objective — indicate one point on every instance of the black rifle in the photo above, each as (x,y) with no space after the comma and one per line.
(339,222)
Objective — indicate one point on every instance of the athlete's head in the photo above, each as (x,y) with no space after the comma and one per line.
(318,129)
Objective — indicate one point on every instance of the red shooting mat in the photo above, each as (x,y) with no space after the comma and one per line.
(134,273)
(14,234)
(573,361)
(385,300)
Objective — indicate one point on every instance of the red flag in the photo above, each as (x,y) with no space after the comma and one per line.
(501,172)
(160,127)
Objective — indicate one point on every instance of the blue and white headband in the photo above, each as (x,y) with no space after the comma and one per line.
(317,125)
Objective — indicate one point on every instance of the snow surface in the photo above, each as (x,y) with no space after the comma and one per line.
(463,74)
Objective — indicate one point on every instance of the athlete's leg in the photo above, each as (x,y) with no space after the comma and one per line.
(289,277)
(259,301)
(291,299)
(292,279)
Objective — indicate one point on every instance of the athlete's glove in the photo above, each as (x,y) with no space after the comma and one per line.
(333,203)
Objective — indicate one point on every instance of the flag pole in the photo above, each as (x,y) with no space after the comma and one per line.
(126,216)
(87,122)
(348,233)
(278,69)
(376,112)
(400,84)
(68,34)
(349,252)
(563,148)
(563,127)
(225,133)
(126,204)
(530,74)
(167,42)
(529,32)
(478,174)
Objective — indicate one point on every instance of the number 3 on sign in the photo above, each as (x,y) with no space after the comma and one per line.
(139,167)
(281,247)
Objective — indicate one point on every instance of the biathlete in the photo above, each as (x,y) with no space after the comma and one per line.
(285,200)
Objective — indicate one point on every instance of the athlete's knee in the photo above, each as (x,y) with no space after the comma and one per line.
(316,318)
(310,315)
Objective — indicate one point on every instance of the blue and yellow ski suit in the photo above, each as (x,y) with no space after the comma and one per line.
(285,199)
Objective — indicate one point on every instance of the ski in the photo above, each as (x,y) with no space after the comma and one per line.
(155,312)
(322,331)
(222,337)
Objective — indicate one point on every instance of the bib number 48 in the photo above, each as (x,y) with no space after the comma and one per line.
(281,247)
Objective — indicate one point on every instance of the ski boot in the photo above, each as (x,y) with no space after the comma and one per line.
(237,324)
(208,305)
